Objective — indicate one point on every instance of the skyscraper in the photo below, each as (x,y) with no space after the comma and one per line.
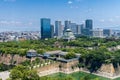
(46,31)
(58,29)
(82,28)
(88,27)
(107,32)
(89,24)
(98,33)
(67,23)
(79,29)
(73,27)
(52,31)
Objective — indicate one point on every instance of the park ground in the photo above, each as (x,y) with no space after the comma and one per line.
(78,75)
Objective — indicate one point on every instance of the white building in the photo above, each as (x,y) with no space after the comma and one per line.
(68,35)
(97,33)
(58,29)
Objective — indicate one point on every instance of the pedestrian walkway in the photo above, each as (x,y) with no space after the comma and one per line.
(4,75)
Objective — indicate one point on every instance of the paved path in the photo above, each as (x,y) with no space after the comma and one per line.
(4,75)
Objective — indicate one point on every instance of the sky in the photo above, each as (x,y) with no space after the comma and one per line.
(24,15)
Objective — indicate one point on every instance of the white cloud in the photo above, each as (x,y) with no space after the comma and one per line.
(117,17)
(15,23)
(102,20)
(111,20)
(3,22)
(70,2)
(74,4)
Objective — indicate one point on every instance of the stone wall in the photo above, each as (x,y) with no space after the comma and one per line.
(48,69)
(58,67)
(107,69)
(8,59)
(70,66)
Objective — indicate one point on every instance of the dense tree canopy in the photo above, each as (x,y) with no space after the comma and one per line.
(94,51)
(23,73)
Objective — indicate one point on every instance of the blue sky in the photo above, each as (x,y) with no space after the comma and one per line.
(26,14)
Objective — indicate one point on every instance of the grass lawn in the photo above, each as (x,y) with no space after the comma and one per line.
(117,79)
(78,75)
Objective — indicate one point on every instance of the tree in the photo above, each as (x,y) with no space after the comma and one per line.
(40,51)
(16,74)
(21,68)
(22,52)
(37,60)
(31,75)
(23,73)
(94,60)
(26,63)
(70,55)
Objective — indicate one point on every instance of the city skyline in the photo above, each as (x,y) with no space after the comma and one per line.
(26,14)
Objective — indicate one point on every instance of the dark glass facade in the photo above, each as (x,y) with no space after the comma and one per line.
(46,30)
(89,24)
(107,32)
(52,31)
(67,25)
(88,27)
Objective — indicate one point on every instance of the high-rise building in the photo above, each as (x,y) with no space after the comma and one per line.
(52,31)
(87,31)
(89,24)
(67,23)
(46,31)
(97,33)
(73,27)
(79,29)
(58,29)
(107,32)
(82,28)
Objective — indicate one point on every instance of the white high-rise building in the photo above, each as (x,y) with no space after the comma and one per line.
(97,33)
(79,29)
(58,29)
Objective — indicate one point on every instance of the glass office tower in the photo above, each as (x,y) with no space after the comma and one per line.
(46,31)
(67,23)
(88,27)
(89,24)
